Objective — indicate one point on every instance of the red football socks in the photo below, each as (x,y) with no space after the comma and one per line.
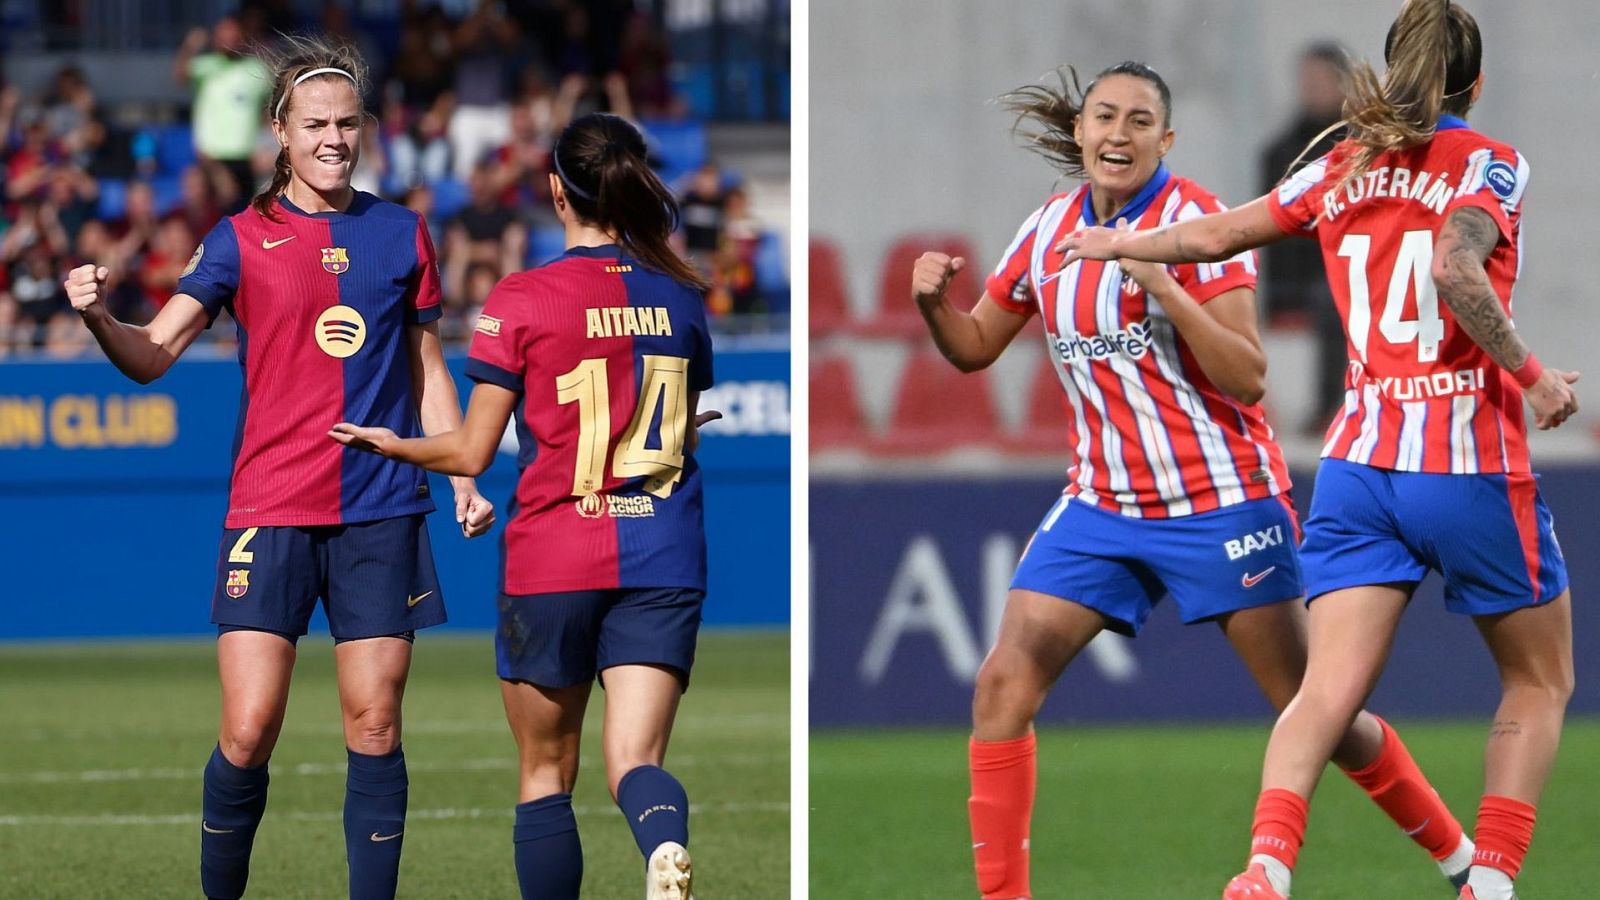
(1003,781)
(1505,829)
(1280,825)
(1397,785)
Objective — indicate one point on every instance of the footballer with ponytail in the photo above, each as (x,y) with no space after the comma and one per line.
(1420,221)
(601,354)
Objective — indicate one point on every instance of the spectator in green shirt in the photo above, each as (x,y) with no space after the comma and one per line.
(231,89)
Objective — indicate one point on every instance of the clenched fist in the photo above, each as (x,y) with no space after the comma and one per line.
(931,276)
(85,286)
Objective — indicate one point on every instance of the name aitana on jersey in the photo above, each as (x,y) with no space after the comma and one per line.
(1420,396)
(1150,434)
(322,302)
(605,354)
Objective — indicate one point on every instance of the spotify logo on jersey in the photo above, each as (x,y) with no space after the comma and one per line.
(340,331)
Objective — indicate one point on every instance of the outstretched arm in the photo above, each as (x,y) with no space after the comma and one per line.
(1209,238)
(1466,241)
(439,408)
(466,450)
(971,341)
(143,352)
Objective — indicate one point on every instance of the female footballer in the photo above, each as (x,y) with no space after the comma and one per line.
(1426,467)
(1173,462)
(335,293)
(601,356)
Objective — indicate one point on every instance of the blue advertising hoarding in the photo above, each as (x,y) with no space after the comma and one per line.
(910,577)
(112,496)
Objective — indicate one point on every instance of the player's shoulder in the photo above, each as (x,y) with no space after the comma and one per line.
(376,208)
(1190,190)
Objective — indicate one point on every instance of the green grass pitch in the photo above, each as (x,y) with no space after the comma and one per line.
(102,746)
(1164,812)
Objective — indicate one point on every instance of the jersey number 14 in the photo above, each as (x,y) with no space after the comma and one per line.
(664,384)
(1412,264)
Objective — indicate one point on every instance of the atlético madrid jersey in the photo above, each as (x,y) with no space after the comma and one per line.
(605,354)
(322,301)
(1420,396)
(1151,435)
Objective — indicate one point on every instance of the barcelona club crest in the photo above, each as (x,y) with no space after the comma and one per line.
(238,582)
(335,260)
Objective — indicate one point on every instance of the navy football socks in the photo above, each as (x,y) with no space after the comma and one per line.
(656,806)
(548,852)
(231,809)
(374,822)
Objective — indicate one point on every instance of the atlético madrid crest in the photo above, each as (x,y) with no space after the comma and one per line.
(238,582)
(335,260)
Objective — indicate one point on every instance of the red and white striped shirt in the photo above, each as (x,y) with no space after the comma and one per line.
(1151,435)
(1420,396)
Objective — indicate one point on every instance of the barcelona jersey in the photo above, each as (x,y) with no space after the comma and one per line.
(1420,395)
(1151,436)
(604,354)
(322,302)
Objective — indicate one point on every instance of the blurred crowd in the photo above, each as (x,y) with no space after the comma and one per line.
(467,111)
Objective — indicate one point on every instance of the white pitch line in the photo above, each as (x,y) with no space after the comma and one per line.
(490,764)
(474,812)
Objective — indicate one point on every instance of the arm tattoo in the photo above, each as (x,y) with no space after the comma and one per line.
(1468,238)
(1503,728)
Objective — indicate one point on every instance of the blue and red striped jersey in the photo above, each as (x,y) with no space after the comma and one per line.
(322,302)
(605,354)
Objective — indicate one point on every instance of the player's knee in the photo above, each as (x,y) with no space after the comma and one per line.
(1551,685)
(1005,694)
(248,744)
(1331,699)
(373,730)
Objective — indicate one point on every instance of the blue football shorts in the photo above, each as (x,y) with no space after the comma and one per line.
(375,579)
(562,639)
(1212,563)
(1490,536)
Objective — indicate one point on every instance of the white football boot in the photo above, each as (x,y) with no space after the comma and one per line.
(669,874)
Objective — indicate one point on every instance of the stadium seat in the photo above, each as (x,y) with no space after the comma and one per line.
(680,147)
(829,304)
(937,407)
(544,244)
(175,148)
(113,199)
(836,419)
(449,196)
(896,314)
(772,272)
(1044,424)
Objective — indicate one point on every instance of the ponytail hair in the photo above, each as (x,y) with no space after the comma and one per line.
(1048,118)
(290,65)
(601,161)
(1434,53)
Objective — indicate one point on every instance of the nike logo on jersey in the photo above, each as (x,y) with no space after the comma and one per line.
(268,245)
(209,830)
(1412,832)
(1251,581)
(379,838)
(413,601)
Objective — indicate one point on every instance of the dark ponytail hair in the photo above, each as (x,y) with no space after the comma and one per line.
(1434,53)
(601,160)
(1053,114)
(301,54)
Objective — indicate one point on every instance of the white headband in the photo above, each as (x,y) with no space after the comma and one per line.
(329,70)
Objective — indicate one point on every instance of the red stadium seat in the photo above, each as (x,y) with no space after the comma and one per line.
(1044,425)
(836,419)
(937,407)
(829,307)
(896,313)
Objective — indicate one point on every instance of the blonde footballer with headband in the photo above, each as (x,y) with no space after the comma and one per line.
(336,297)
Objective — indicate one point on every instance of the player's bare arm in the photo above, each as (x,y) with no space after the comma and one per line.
(466,450)
(1221,334)
(1210,238)
(439,408)
(1466,241)
(142,352)
(971,341)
